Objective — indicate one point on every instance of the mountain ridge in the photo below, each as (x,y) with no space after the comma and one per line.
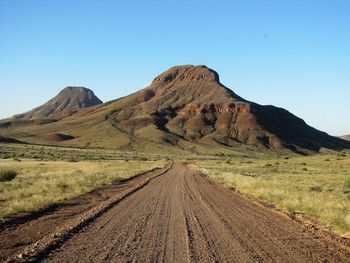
(185,107)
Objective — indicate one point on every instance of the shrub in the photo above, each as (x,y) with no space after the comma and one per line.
(232,188)
(7,175)
(315,188)
(251,174)
(346,185)
(348,196)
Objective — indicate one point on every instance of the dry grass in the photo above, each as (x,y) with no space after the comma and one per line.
(317,187)
(39,184)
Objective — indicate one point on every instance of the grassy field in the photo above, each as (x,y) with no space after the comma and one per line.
(33,177)
(38,184)
(316,187)
(52,153)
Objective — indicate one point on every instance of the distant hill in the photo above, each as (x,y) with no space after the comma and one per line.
(67,102)
(185,108)
(345,137)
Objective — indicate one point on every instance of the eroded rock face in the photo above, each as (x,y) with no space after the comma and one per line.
(216,108)
(190,102)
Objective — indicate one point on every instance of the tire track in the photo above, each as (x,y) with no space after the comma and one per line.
(42,247)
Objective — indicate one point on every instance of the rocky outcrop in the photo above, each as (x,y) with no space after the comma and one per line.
(188,72)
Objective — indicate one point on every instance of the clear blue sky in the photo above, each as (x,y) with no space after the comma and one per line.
(293,54)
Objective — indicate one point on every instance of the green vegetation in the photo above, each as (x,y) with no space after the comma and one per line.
(7,175)
(41,184)
(303,186)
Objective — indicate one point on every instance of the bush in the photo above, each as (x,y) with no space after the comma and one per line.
(315,188)
(346,185)
(7,175)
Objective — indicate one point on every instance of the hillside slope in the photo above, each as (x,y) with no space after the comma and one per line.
(185,108)
(345,137)
(67,102)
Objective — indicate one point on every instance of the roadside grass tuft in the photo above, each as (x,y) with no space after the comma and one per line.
(346,185)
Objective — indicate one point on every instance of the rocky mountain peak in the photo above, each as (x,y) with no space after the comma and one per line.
(78,97)
(187,72)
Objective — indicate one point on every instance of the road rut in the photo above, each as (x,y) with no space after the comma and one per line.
(182,216)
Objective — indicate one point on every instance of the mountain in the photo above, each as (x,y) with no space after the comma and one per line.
(185,108)
(67,102)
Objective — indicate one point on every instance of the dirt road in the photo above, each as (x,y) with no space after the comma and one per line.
(181,216)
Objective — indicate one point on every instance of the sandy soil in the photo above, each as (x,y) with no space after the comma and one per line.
(182,216)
